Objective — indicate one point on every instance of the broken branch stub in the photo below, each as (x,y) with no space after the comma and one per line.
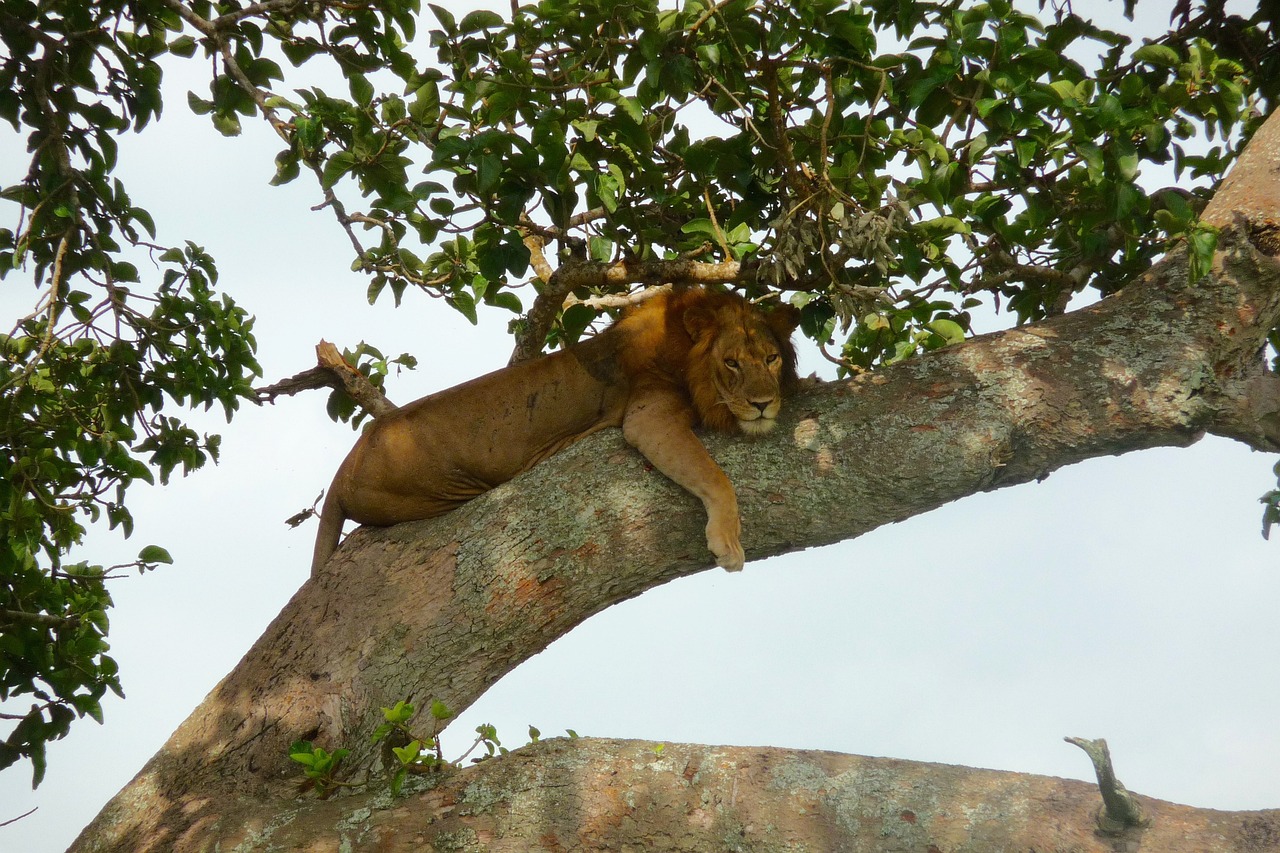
(1120,811)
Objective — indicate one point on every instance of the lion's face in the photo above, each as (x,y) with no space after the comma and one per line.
(739,365)
(746,370)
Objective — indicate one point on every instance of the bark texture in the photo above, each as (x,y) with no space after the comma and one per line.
(443,608)
(591,794)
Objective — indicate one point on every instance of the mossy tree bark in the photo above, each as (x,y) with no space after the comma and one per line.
(441,609)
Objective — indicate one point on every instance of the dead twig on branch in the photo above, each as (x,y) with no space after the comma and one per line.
(331,371)
(1120,811)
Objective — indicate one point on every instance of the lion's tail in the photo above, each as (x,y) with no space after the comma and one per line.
(331,520)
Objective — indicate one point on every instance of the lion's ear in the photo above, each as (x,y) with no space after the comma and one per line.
(783,320)
(699,321)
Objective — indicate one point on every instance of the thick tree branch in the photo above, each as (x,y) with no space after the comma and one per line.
(1250,409)
(1251,191)
(590,794)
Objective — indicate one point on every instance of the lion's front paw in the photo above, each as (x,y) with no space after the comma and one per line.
(724,540)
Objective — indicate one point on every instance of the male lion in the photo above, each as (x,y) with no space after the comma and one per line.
(679,360)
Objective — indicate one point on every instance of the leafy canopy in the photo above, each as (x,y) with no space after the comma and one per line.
(86,376)
(886,163)
(887,166)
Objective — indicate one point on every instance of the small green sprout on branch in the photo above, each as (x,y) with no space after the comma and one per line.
(404,750)
(319,766)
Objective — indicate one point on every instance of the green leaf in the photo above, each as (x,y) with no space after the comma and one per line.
(946,225)
(361,89)
(1092,155)
(335,167)
(409,752)
(425,106)
(507,300)
(155,554)
(199,105)
(1067,91)
(465,304)
(1127,165)
(401,712)
(1202,243)
(480,19)
(1157,54)
(445,17)
(228,124)
(632,109)
(38,764)
(951,331)
(184,46)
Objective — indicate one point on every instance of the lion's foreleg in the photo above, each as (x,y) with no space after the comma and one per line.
(659,424)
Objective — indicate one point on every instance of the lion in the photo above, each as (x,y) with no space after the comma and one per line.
(680,360)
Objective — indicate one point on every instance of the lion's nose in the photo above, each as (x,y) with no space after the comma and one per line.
(762,405)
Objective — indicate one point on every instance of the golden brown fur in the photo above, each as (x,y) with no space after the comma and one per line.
(680,360)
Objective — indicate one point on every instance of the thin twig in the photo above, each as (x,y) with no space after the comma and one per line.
(711,212)
(706,16)
(19,817)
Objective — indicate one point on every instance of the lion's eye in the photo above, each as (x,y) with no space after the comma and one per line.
(771,358)
(731,363)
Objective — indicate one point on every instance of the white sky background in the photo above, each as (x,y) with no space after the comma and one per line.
(1129,598)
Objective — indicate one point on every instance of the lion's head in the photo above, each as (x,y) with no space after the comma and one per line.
(734,359)
(741,362)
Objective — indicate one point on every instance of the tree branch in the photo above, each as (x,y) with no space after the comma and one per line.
(619,300)
(1250,409)
(44,620)
(1251,190)
(331,371)
(1121,811)
(595,795)
(575,275)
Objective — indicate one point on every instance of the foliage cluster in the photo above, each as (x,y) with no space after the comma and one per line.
(885,165)
(86,376)
(888,165)
(404,751)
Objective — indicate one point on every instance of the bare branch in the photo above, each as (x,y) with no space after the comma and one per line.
(623,273)
(618,300)
(19,817)
(548,304)
(307,380)
(353,381)
(573,275)
(535,240)
(44,620)
(331,371)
